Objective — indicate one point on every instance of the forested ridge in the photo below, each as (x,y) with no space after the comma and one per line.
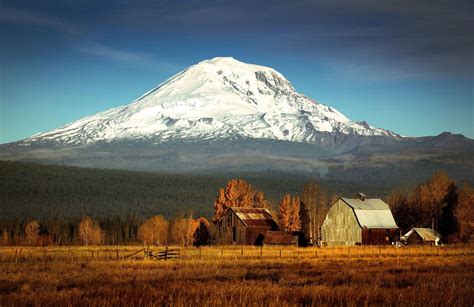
(49,191)
(45,204)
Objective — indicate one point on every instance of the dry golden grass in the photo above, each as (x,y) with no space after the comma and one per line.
(378,277)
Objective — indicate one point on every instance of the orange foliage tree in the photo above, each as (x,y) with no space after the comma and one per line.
(32,229)
(290,213)
(90,232)
(238,193)
(154,230)
(5,237)
(285,212)
(317,203)
(183,230)
(465,213)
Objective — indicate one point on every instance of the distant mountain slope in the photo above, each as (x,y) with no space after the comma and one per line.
(224,116)
(217,98)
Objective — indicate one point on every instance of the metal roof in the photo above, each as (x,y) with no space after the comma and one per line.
(427,234)
(372,213)
(280,237)
(367,204)
(254,217)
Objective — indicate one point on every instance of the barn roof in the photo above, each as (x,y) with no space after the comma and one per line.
(254,217)
(371,212)
(280,238)
(427,234)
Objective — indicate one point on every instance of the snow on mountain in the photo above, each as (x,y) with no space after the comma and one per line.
(217,98)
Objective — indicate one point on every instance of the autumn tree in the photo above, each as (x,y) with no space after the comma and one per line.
(433,197)
(32,229)
(465,213)
(293,214)
(202,235)
(315,198)
(154,231)
(90,232)
(295,222)
(183,230)
(402,210)
(5,237)
(238,193)
(285,212)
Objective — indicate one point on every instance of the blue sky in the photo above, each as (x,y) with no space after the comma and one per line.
(399,65)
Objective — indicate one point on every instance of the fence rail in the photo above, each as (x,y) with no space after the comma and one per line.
(101,253)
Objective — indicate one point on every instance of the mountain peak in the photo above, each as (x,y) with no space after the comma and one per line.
(216,98)
(217,60)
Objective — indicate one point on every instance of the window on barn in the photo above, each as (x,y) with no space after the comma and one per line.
(234,234)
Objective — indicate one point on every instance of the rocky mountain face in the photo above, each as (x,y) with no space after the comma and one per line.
(222,115)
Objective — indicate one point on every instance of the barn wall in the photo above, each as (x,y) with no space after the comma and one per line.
(340,226)
(243,235)
(380,236)
(416,239)
(225,230)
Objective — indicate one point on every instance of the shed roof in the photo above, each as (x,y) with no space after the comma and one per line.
(280,238)
(427,234)
(372,213)
(254,217)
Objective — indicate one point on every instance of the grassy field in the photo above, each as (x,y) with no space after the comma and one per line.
(238,276)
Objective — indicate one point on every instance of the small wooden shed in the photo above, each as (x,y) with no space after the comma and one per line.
(356,221)
(244,226)
(287,238)
(421,236)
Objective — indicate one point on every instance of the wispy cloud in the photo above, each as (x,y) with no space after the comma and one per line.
(39,19)
(80,42)
(142,59)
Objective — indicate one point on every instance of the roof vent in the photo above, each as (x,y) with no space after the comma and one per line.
(361,196)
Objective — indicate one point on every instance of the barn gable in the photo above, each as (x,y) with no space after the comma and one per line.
(372,213)
(425,235)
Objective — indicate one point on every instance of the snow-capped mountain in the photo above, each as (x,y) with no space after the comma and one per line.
(217,98)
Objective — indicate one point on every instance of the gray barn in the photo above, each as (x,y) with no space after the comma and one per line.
(359,221)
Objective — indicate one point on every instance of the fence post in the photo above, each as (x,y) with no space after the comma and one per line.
(200,254)
(280,253)
(241,252)
(316,253)
(166,253)
(261,252)
(222,252)
(16,255)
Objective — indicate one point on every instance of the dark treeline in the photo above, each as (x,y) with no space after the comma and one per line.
(43,192)
(116,230)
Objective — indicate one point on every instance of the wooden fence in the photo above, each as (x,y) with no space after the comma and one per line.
(107,253)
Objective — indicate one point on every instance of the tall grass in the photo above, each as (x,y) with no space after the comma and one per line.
(332,279)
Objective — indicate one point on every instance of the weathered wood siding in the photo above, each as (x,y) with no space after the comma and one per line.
(381,236)
(415,239)
(225,230)
(340,226)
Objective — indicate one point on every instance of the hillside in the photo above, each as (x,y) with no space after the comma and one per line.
(44,191)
